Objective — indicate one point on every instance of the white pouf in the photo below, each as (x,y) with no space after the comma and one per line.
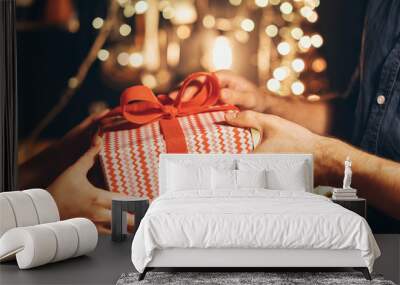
(7,218)
(40,244)
(45,205)
(23,208)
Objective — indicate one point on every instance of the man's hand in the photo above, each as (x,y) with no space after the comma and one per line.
(235,90)
(277,135)
(77,197)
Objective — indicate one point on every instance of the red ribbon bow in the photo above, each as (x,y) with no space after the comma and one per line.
(140,106)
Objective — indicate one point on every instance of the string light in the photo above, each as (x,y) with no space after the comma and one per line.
(298,65)
(149,80)
(305,42)
(247,25)
(296,33)
(281,73)
(141,6)
(297,88)
(136,59)
(103,54)
(286,8)
(123,58)
(273,85)
(271,31)
(316,40)
(241,36)
(183,32)
(129,11)
(209,21)
(125,30)
(168,13)
(261,3)
(222,53)
(283,48)
(319,65)
(97,23)
(235,2)
(313,17)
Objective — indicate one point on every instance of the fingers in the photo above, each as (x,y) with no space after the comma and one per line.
(238,98)
(104,199)
(244,119)
(226,78)
(103,230)
(190,91)
(88,159)
(87,123)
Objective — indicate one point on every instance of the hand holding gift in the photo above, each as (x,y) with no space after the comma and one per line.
(152,125)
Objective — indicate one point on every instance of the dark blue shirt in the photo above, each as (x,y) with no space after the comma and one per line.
(376,93)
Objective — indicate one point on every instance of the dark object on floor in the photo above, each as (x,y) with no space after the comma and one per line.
(232,278)
(120,206)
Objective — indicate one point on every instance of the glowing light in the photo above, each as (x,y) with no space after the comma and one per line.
(283,48)
(183,32)
(223,24)
(241,36)
(209,21)
(274,2)
(271,30)
(319,65)
(316,40)
(273,85)
(281,73)
(123,58)
(141,6)
(173,53)
(297,88)
(222,53)
(129,11)
(297,33)
(149,80)
(235,2)
(125,30)
(73,82)
(288,17)
(305,42)
(313,17)
(298,65)
(306,11)
(97,23)
(286,8)
(103,54)
(185,13)
(122,2)
(261,3)
(247,25)
(313,98)
(136,59)
(168,12)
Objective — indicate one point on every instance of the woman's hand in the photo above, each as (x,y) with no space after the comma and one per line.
(77,197)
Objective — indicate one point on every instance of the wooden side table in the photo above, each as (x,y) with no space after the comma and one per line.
(358,206)
(120,206)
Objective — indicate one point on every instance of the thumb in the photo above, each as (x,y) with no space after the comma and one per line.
(244,119)
(88,159)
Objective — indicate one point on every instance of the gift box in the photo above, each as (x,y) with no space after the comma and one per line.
(158,124)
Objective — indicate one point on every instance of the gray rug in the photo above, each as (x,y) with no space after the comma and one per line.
(233,278)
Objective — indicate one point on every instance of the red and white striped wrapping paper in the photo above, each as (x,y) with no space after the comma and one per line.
(130,157)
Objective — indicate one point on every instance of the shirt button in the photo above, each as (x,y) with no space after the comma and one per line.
(380,99)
